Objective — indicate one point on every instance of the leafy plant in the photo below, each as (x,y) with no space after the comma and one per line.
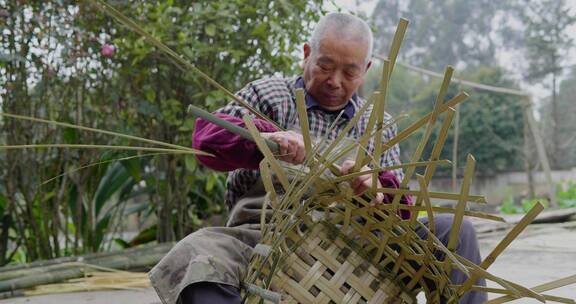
(566,194)
(527,204)
(53,66)
(508,206)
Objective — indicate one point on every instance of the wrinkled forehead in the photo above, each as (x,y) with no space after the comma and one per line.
(347,48)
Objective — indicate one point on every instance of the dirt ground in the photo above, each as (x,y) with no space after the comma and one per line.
(543,252)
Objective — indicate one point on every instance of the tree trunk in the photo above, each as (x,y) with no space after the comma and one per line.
(528,159)
(555,143)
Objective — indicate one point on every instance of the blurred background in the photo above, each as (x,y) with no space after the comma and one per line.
(65,61)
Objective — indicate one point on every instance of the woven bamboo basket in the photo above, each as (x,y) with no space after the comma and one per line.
(322,265)
(339,254)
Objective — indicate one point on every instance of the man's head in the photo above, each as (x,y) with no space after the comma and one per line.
(336,59)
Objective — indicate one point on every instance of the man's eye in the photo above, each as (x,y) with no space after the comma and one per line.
(352,74)
(324,68)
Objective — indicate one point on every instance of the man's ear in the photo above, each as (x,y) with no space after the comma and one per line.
(368,66)
(307,50)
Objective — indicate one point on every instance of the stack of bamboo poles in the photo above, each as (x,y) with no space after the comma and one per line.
(325,244)
(90,272)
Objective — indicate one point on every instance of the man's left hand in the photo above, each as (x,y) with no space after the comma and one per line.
(363,182)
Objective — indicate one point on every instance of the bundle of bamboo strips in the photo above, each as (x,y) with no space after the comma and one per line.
(15,279)
(95,281)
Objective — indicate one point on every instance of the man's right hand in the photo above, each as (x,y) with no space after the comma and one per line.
(291,145)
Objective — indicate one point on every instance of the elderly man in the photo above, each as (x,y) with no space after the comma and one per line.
(207,266)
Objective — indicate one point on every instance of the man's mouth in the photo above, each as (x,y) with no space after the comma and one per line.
(332,96)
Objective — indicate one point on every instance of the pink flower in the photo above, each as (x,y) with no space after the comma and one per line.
(108,50)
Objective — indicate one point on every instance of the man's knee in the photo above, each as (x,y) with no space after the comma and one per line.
(467,230)
(208,292)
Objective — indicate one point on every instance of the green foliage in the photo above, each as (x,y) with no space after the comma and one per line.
(548,41)
(527,204)
(491,124)
(458,32)
(547,37)
(566,194)
(52,66)
(508,206)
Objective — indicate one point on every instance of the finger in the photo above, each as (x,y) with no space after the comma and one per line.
(293,150)
(379,198)
(346,166)
(360,189)
(356,182)
(300,154)
(284,147)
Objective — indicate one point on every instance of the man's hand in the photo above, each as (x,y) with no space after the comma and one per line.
(291,146)
(363,182)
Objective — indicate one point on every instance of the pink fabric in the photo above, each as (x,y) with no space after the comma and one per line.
(232,152)
(389,180)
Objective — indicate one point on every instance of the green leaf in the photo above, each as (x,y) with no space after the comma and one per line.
(115,178)
(122,243)
(133,167)
(260,30)
(210,29)
(190,162)
(150,95)
(188,125)
(211,180)
(70,136)
(3,203)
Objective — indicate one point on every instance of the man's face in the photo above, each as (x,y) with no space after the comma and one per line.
(335,71)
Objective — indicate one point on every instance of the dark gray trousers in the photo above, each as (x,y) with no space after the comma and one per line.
(467,247)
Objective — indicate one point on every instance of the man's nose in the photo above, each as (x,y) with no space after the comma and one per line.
(335,80)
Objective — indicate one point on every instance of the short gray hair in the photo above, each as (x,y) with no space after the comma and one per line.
(347,25)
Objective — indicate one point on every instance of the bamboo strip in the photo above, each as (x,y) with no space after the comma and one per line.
(304,125)
(395,46)
(274,165)
(365,138)
(104,147)
(542,288)
(388,207)
(431,122)
(428,205)
(83,128)
(99,163)
(381,102)
(435,155)
(491,258)
(438,195)
(350,176)
(516,289)
(416,125)
(460,207)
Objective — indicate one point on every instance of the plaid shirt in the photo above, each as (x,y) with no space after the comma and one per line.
(275,98)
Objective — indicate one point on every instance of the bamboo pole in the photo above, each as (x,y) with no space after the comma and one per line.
(87,258)
(76,270)
(541,151)
(196,111)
